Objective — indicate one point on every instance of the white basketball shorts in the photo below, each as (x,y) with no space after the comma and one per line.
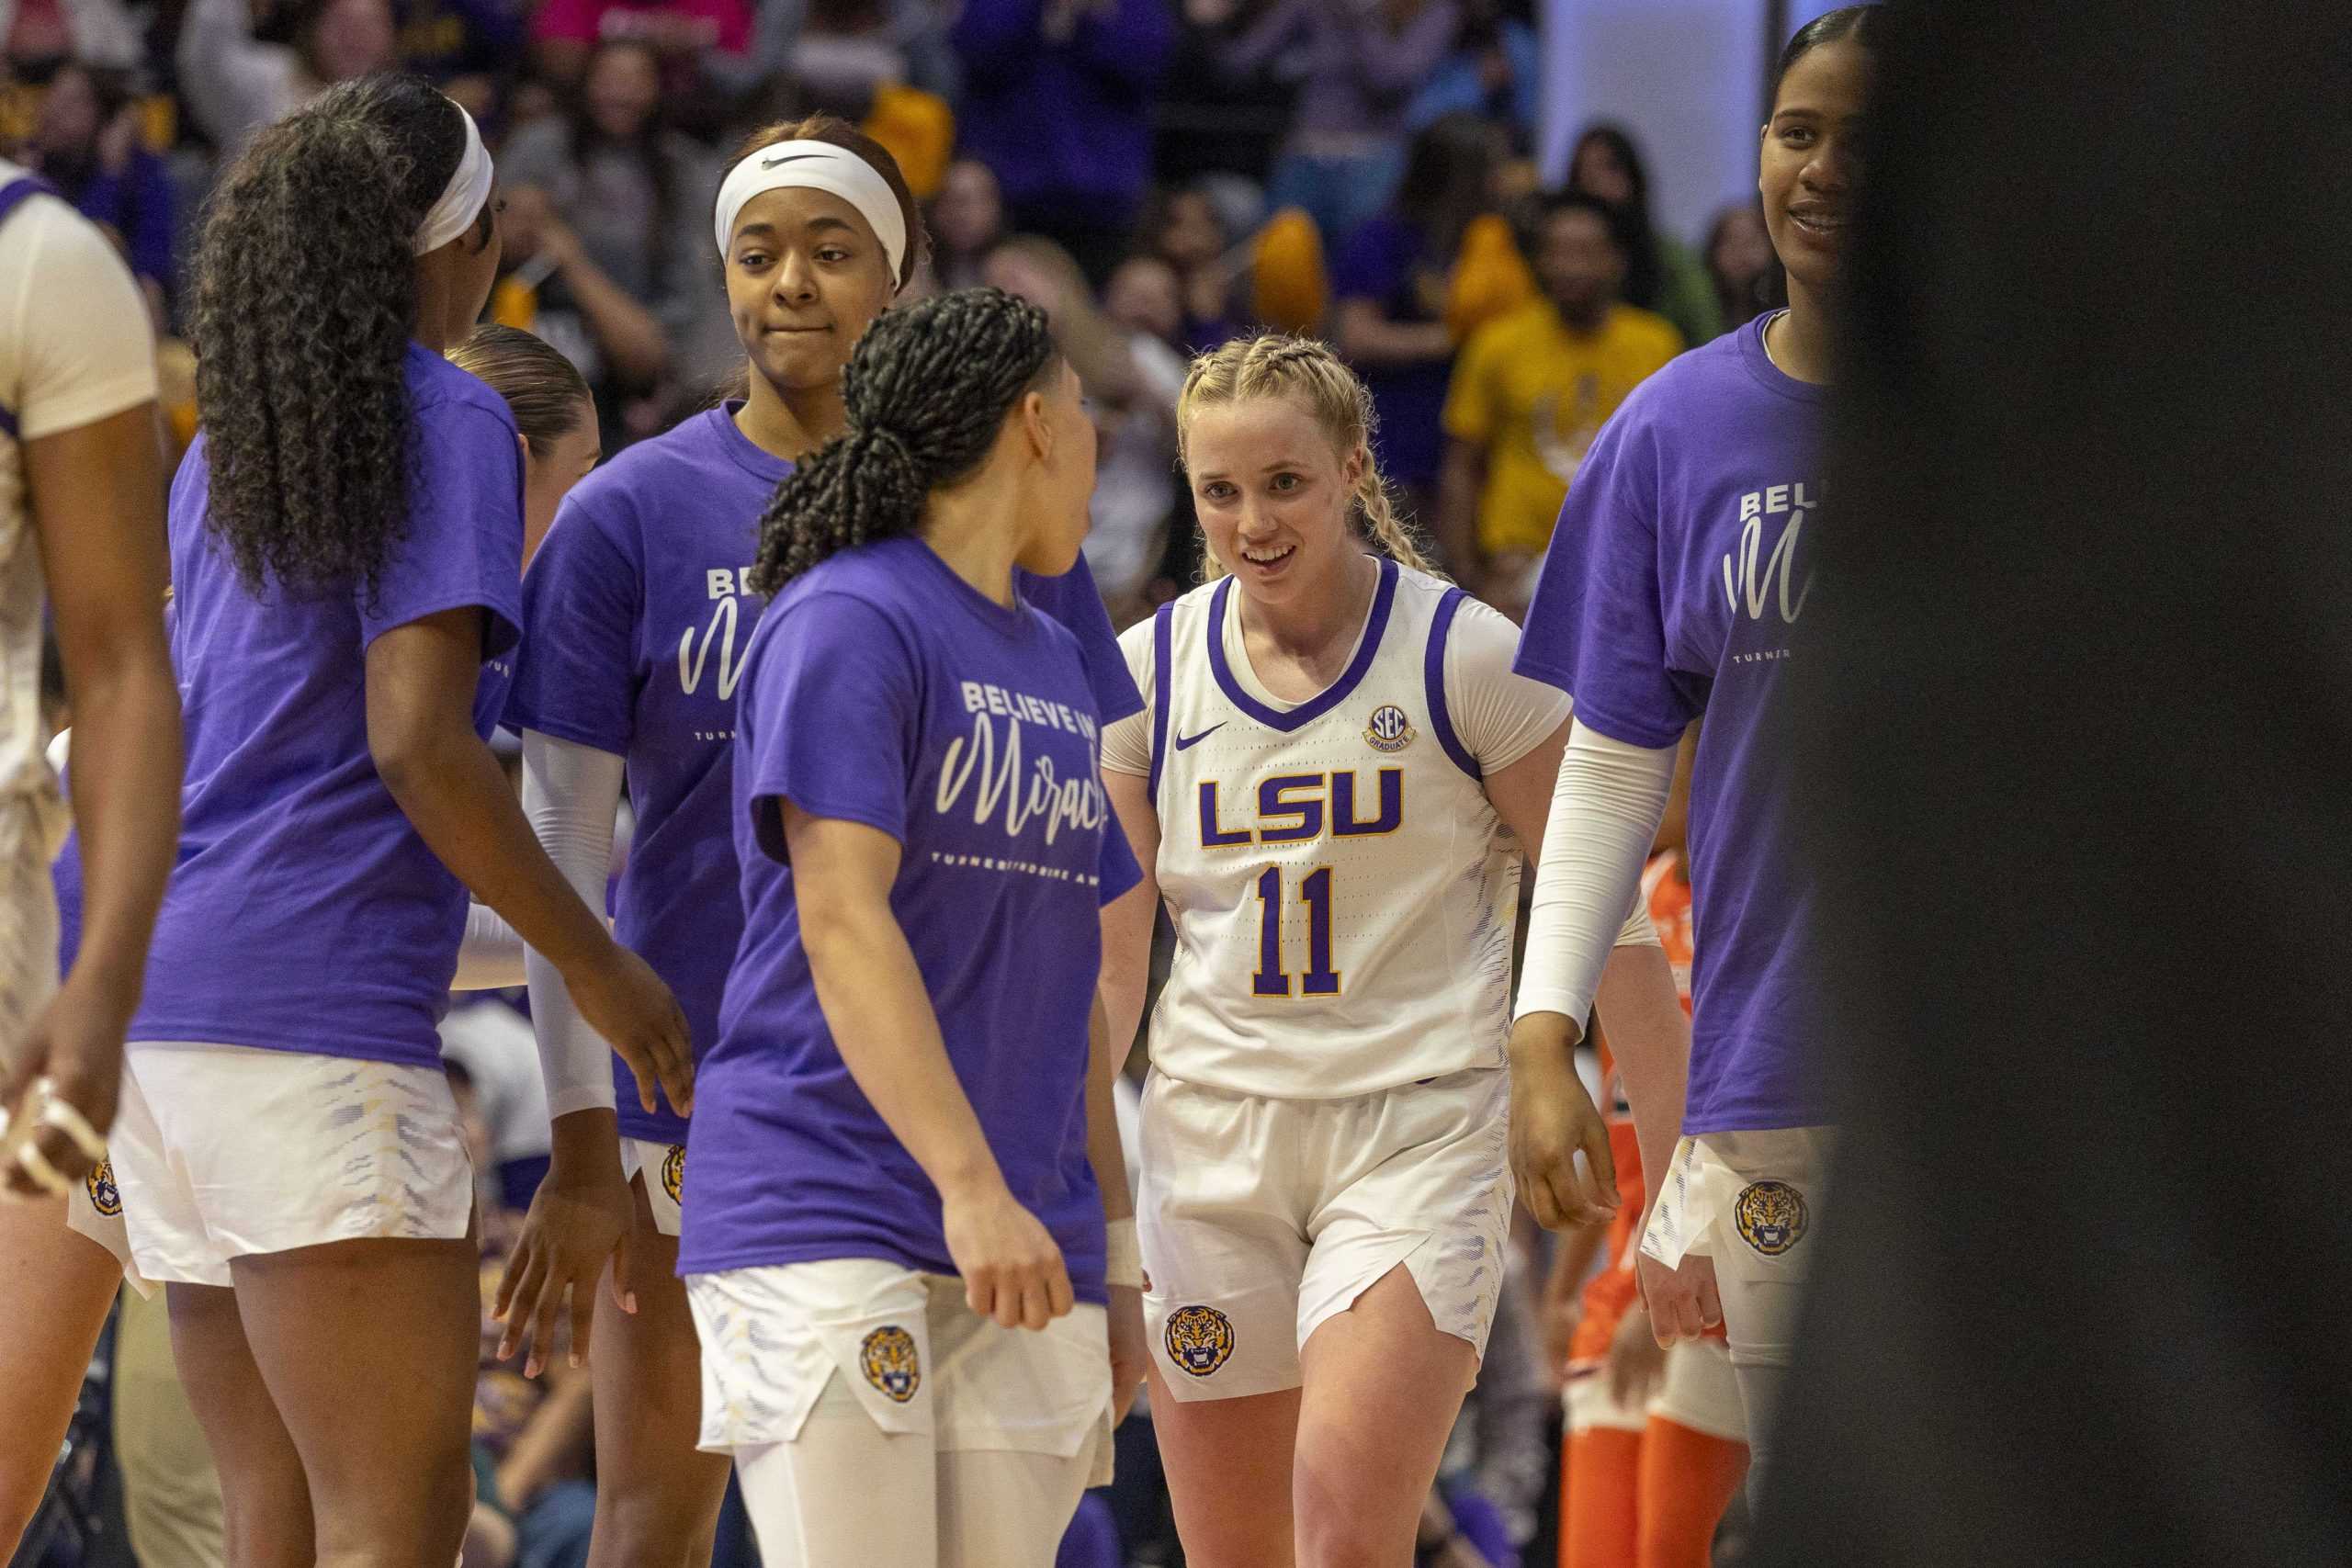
(664,1168)
(1751,1201)
(908,1346)
(1261,1219)
(220,1151)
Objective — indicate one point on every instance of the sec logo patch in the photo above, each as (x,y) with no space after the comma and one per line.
(674,1172)
(1389,730)
(1770,1216)
(105,1196)
(888,1359)
(1199,1339)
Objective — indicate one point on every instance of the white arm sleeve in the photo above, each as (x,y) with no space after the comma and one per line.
(1126,745)
(1605,810)
(570,793)
(491,958)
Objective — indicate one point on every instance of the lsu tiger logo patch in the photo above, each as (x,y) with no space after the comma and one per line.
(890,1364)
(105,1196)
(674,1172)
(1390,730)
(1770,1216)
(1199,1339)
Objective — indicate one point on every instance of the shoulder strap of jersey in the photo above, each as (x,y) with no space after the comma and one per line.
(12,195)
(1433,682)
(1163,647)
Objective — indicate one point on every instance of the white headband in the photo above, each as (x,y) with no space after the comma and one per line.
(463,198)
(816,166)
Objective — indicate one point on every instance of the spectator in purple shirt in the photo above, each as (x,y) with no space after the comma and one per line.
(1358,63)
(1056,104)
(86,143)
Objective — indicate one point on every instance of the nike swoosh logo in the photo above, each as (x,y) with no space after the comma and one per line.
(788,158)
(1186,742)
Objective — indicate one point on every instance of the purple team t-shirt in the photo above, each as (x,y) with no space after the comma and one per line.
(883,689)
(306,914)
(1675,586)
(642,625)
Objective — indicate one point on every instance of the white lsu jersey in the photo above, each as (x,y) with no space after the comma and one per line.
(1344,893)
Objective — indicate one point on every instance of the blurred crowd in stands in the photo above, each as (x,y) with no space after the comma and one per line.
(1157,174)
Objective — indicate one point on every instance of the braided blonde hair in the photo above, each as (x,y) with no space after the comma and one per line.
(1275,365)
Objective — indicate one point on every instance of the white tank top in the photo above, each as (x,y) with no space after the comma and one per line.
(1343,894)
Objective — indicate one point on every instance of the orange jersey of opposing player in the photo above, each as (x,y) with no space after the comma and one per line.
(1613,1289)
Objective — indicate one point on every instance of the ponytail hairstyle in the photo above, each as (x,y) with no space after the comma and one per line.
(1310,376)
(305,301)
(927,391)
(542,389)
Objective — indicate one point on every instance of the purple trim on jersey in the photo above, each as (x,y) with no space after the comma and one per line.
(12,195)
(1332,695)
(1163,651)
(1433,678)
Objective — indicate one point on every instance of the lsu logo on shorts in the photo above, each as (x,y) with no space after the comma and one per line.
(105,1196)
(674,1172)
(1389,730)
(887,1359)
(1199,1339)
(1770,1215)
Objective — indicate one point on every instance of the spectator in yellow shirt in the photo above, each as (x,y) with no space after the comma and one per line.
(1532,390)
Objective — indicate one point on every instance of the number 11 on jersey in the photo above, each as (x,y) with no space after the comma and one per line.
(1272,979)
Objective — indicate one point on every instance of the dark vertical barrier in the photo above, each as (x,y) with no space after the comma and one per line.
(2079,776)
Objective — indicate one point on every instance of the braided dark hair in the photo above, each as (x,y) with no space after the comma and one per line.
(926,391)
(305,302)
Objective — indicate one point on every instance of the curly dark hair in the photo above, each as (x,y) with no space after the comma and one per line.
(305,302)
(926,391)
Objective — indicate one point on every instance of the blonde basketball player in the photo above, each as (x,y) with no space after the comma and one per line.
(82,535)
(1331,791)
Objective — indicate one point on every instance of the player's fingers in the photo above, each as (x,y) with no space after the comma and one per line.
(678,1077)
(1571,1192)
(582,1317)
(1710,1300)
(510,1279)
(1060,1297)
(34,1173)
(980,1293)
(543,1321)
(65,1156)
(618,1271)
(1541,1201)
(1601,1168)
(644,1071)
(1687,1323)
(519,1307)
(1037,1304)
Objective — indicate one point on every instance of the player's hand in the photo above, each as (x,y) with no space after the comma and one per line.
(1011,1269)
(579,1217)
(623,999)
(1130,1351)
(75,1043)
(1551,1118)
(1637,1361)
(1683,1303)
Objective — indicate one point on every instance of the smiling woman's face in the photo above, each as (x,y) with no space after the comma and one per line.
(1812,157)
(805,278)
